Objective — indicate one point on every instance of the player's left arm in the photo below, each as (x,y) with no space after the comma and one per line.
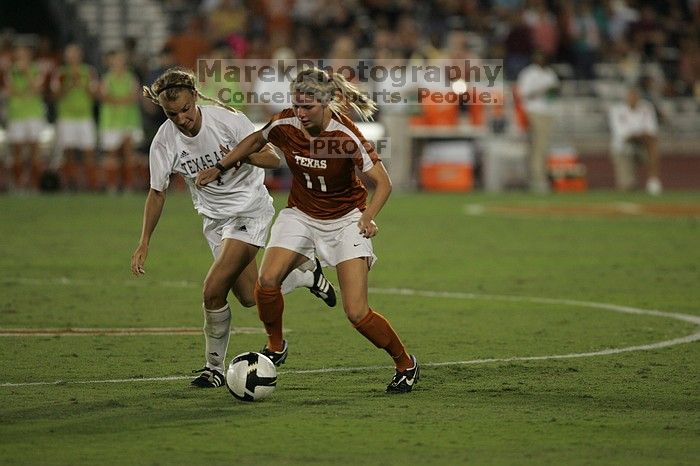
(382,182)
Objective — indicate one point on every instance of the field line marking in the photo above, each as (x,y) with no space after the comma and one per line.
(457,295)
(605,352)
(512,298)
(120,332)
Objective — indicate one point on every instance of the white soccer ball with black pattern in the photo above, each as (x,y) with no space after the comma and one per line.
(251,376)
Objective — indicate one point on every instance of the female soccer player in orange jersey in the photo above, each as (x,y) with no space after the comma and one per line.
(327,212)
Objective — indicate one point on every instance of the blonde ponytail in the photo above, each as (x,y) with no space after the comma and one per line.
(172,82)
(341,95)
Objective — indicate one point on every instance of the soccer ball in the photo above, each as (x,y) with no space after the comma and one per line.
(251,376)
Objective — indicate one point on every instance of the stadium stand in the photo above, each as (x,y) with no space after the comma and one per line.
(599,48)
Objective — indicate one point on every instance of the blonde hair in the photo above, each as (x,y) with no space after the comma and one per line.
(334,90)
(172,82)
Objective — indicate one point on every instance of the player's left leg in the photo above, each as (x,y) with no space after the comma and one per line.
(352,275)
(310,275)
(234,258)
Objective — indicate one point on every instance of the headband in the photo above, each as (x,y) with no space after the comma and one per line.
(170,86)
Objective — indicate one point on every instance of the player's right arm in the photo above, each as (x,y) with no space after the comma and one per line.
(266,158)
(251,144)
(151,214)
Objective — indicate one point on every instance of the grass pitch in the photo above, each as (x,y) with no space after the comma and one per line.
(506,379)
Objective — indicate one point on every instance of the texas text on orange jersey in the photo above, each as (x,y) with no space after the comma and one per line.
(324,184)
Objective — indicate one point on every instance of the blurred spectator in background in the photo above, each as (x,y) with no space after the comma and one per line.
(585,38)
(26,117)
(227,18)
(152,113)
(634,138)
(689,66)
(6,49)
(74,86)
(279,21)
(136,61)
(627,60)
(228,89)
(190,44)
(619,17)
(544,28)
(273,93)
(518,45)
(646,33)
(537,85)
(120,123)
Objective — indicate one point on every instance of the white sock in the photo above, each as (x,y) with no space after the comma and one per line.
(297,279)
(217,325)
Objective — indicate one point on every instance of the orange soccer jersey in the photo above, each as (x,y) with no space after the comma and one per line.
(324,184)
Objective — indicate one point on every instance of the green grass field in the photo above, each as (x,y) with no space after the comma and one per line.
(495,295)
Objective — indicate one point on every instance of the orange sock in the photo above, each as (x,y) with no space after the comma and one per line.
(377,329)
(91,176)
(270,307)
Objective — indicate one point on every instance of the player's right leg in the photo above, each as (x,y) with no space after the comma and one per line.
(234,257)
(291,245)
(277,263)
(310,275)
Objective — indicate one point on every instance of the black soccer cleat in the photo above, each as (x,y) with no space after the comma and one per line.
(208,378)
(277,357)
(404,381)
(322,288)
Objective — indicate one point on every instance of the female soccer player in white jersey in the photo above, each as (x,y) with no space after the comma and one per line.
(236,209)
(327,214)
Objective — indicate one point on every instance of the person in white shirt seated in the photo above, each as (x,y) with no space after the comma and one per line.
(634,138)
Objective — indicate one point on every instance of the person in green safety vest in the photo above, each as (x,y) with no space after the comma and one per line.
(74,86)
(120,122)
(26,117)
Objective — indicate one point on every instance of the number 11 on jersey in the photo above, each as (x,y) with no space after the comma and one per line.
(321,180)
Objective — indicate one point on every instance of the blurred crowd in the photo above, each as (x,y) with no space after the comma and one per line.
(579,33)
(103,127)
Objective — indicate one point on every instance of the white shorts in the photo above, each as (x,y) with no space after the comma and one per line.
(251,230)
(76,134)
(333,241)
(112,139)
(24,131)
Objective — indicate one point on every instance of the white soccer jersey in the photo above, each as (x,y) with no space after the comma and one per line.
(626,122)
(238,192)
(534,83)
